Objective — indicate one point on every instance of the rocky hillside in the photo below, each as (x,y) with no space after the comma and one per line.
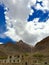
(42,46)
(18,47)
(22,47)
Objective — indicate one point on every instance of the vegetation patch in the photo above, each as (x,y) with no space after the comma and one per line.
(3,57)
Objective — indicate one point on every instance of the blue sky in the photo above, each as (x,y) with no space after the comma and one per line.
(2,19)
(26,20)
(3,27)
(38,13)
(43,16)
(6,39)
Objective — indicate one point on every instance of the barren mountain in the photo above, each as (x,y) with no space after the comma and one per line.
(42,46)
(22,47)
(18,47)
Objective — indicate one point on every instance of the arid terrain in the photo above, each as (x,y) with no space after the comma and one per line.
(21,53)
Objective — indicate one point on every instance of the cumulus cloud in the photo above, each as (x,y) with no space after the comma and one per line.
(18,27)
(18,9)
(29,38)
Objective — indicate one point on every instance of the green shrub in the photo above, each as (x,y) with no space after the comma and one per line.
(3,57)
(26,54)
(38,55)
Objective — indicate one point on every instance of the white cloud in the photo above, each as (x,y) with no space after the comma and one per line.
(32,2)
(1,43)
(38,6)
(31,12)
(18,27)
(36,27)
(14,1)
(11,33)
(45,4)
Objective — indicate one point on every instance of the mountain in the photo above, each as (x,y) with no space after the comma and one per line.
(21,47)
(42,46)
(18,47)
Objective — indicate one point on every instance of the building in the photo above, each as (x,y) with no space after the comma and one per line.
(11,59)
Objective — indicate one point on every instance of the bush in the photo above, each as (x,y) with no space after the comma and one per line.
(38,55)
(26,54)
(3,57)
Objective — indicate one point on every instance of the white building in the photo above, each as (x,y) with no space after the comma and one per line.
(11,59)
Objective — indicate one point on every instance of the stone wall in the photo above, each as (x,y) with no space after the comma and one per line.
(11,59)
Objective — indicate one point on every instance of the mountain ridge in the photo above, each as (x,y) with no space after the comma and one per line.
(18,47)
(42,46)
(22,47)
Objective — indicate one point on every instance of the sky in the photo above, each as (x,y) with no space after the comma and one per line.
(26,20)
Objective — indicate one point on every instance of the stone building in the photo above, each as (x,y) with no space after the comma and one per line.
(11,59)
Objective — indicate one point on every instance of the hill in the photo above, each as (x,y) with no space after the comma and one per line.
(42,46)
(22,47)
(18,47)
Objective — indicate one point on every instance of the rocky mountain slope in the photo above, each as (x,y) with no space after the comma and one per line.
(22,47)
(42,46)
(18,47)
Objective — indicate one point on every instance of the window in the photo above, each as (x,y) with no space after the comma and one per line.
(18,56)
(10,56)
(10,61)
(17,60)
(45,62)
(14,61)
(22,56)
(5,61)
(34,61)
(26,63)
